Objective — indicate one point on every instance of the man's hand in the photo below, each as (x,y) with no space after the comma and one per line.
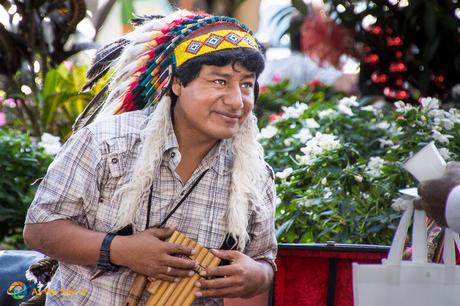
(244,277)
(433,193)
(146,253)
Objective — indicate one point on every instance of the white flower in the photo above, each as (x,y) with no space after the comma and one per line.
(287,141)
(443,139)
(384,125)
(324,181)
(311,123)
(447,124)
(50,143)
(267,132)
(277,201)
(385,142)
(358,178)
(316,146)
(402,203)
(445,153)
(401,107)
(370,108)
(429,103)
(294,111)
(285,173)
(344,109)
(327,194)
(326,113)
(349,101)
(374,166)
(456,91)
(304,135)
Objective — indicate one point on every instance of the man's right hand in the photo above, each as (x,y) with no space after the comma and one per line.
(433,193)
(147,253)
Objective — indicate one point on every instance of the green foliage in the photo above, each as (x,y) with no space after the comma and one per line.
(58,103)
(338,165)
(273,97)
(22,163)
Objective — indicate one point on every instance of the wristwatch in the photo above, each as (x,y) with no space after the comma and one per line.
(104,255)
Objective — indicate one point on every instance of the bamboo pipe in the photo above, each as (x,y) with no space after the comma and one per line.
(198,257)
(191,281)
(157,287)
(164,284)
(191,295)
(153,301)
(140,281)
(165,296)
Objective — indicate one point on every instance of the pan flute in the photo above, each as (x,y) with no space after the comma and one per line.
(173,293)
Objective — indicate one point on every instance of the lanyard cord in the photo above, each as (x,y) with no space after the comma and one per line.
(149,207)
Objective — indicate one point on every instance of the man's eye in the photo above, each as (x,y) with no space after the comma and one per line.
(220,82)
(247,85)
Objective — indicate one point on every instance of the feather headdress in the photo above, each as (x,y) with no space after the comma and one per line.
(143,61)
(143,64)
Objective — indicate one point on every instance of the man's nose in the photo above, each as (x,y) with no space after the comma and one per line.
(233,97)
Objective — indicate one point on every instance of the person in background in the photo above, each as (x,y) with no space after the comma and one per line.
(440,198)
(315,50)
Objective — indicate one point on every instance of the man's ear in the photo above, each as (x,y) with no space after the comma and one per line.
(176,86)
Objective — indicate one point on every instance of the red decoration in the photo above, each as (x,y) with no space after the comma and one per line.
(377,78)
(394,41)
(315,83)
(274,117)
(388,92)
(402,95)
(398,54)
(399,82)
(438,78)
(371,59)
(376,30)
(398,67)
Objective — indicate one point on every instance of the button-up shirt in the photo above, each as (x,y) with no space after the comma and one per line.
(99,159)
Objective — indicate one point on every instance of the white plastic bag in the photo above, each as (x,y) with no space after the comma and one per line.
(410,283)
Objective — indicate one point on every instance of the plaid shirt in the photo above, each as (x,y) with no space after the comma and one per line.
(81,182)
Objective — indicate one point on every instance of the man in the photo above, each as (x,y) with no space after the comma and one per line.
(440,198)
(181,152)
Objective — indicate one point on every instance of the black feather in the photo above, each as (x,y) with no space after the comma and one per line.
(102,61)
(140,20)
(96,104)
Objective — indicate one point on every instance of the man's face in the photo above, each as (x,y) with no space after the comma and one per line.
(216,103)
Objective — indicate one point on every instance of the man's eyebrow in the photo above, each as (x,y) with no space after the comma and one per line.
(228,75)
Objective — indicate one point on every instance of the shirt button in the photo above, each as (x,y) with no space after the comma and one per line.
(173,154)
(114,160)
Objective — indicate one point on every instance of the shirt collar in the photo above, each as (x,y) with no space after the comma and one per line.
(218,158)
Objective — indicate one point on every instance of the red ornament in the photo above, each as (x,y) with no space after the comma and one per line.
(399,82)
(371,59)
(375,29)
(377,78)
(402,95)
(315,83)
(398,54)
(438,78)
(388,92)
(394,41)
(398,67)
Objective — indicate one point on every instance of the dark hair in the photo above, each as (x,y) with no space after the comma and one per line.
(250,59)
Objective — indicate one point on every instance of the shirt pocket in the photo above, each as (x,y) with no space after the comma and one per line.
(108,205)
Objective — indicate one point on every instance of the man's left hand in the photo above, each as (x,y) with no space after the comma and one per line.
(244,277)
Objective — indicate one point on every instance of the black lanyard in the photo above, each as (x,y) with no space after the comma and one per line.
(149,207)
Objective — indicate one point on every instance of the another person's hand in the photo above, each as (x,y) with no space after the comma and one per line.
(146,253)
(244,277)
(433,193)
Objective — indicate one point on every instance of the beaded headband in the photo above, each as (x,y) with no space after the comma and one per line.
(145,60)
